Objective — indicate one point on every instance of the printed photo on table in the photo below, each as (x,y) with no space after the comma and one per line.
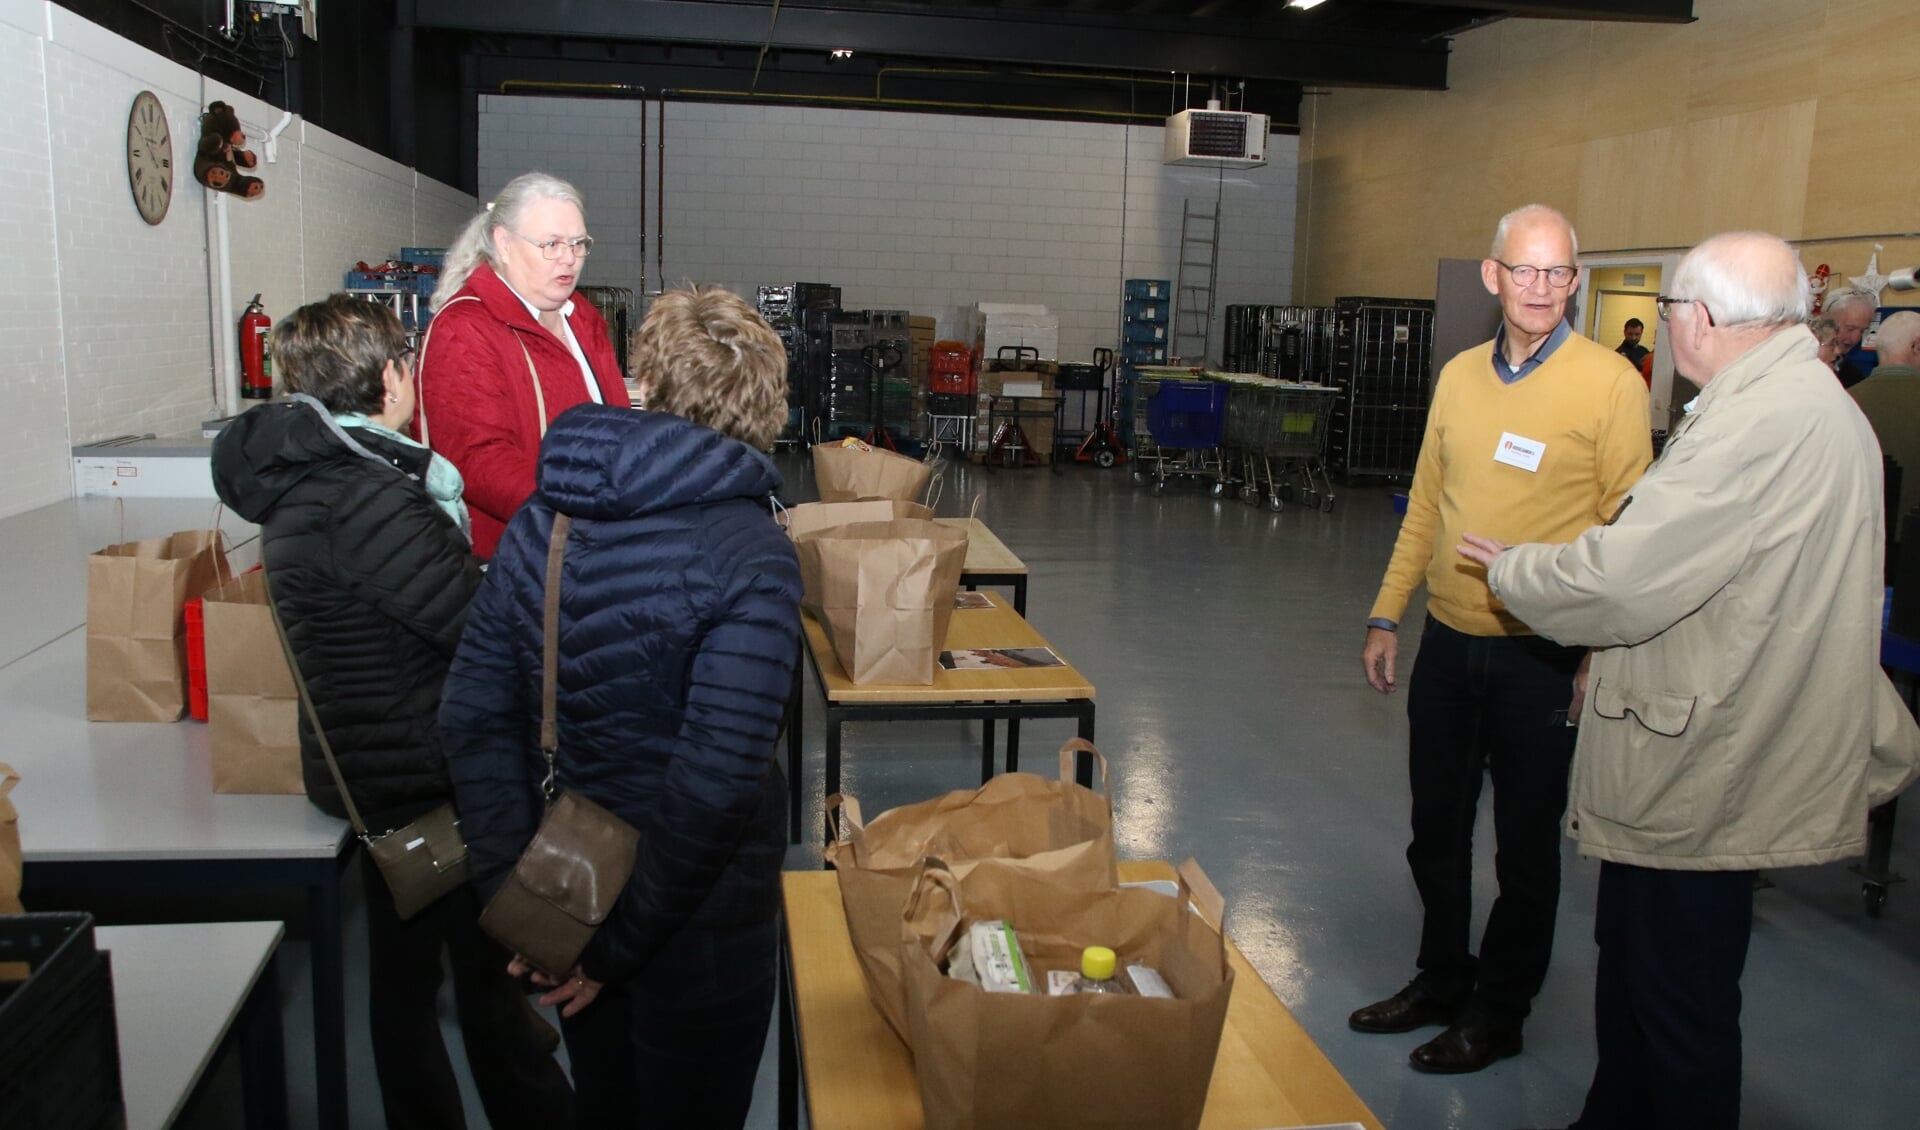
(992,658)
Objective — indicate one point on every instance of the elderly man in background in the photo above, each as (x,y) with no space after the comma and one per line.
(1890,396)
(1852,309)
(1737,717)
(1536,434)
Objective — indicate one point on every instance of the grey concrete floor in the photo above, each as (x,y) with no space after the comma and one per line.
(1224,641)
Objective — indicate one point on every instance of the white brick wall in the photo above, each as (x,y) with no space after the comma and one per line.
(107,325)
(919,211)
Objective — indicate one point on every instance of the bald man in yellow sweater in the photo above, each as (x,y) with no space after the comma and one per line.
(1531,437)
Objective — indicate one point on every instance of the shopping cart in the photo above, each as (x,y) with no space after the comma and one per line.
(1279,430)
(1177,431)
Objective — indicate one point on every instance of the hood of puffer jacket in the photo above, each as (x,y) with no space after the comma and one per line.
(605,463)
(272,447)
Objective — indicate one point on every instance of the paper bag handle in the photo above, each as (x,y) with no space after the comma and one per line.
(849,828)
(934,488)
(1198,891)
(1082,745)
(934,872)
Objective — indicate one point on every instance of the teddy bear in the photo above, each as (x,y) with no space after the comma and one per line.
(220,159)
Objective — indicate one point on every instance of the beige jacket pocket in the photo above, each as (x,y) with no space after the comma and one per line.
(1634,765)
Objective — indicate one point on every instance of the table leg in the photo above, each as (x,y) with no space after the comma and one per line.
(987,726)
(1020,595)
(329,997)
(263,1055)
(788,1079)
(834,723)
(1013,745)
(796,724)
(1083,761)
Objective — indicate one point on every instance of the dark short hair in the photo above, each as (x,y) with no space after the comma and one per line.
(337,350)
(1634,324)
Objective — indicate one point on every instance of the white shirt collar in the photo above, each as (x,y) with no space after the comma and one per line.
(566,311)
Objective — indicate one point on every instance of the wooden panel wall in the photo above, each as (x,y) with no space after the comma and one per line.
(1786,115)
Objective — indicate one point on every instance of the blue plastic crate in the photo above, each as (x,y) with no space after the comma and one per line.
(1144,331)
(1187,414)
(1143,352)
(434,257)
(1148,288)
(1147,310)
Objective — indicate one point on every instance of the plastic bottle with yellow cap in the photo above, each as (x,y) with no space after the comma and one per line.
(1097,964)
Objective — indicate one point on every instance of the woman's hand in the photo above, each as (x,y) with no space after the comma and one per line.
(576,993)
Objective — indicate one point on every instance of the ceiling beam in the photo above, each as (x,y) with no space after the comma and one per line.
(1627,11)
(1057,38)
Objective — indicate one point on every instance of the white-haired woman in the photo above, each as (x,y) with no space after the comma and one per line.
(510,348)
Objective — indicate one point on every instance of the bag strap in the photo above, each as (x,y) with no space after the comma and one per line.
(550,652)
(539,398)
(313,715)
(420,402)
(1082,745)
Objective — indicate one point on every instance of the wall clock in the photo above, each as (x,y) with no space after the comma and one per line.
(149,157)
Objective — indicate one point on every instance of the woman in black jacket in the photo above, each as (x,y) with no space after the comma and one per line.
(364,540)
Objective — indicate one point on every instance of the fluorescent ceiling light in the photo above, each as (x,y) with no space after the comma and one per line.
(1303,5)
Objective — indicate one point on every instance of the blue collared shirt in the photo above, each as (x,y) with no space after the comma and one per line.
(1507,373)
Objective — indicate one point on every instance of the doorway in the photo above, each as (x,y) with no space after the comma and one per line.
(1614,288)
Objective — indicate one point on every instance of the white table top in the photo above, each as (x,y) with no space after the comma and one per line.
(43,558)
(176,991)
(98,792)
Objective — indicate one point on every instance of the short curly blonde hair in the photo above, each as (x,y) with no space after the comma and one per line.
(705,355)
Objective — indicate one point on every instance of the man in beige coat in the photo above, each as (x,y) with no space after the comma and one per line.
(1736,717)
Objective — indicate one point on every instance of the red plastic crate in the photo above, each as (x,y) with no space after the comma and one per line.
(950,369)
(196,661)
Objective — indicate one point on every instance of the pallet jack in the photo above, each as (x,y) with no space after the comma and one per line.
(1102,445)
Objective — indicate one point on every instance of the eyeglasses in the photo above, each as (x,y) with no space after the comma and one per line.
(1560,278)
(1665,303)
(581,246)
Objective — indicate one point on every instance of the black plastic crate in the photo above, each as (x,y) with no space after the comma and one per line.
(59,1046)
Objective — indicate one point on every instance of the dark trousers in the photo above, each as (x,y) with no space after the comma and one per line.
(1667,998)
(1488,705)
(520,1082)
(678,1046)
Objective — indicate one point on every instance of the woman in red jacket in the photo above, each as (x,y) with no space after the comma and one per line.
(510,347)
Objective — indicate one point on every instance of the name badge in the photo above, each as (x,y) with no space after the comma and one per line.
(1519,451)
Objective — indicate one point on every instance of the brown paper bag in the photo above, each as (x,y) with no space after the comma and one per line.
(9,844)
(811,516)
(253,710)
(1055,829)
(845,473)
(136,626)
(883,591)
(1013,1059)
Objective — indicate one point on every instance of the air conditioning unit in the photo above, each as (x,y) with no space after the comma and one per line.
(1217,138)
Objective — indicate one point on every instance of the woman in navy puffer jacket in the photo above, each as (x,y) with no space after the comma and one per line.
(679,627)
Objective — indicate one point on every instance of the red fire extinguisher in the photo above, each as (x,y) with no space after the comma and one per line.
(256,364)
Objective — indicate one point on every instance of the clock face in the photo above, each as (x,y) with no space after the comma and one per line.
(149,157)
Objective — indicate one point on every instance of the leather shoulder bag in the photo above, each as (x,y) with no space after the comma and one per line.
(420,861)
(572,873)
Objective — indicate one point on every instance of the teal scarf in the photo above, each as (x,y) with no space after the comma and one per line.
(443,478)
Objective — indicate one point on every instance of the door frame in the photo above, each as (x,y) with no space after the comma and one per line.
(1660,394)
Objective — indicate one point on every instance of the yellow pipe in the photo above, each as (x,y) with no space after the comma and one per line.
(927,103)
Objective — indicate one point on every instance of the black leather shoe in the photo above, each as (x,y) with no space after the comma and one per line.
(1415,1006)
(1470,1045)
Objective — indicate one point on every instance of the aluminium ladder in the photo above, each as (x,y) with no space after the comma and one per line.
(1192,336)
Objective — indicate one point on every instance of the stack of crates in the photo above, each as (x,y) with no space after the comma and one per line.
(849,391)
(1289,343)
(776,307)
(951,382)
(810,365)
(1382,350)
(1145,316)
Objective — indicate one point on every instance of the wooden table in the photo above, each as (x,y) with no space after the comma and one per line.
(183,994)
(130,805)
(1033,692)
(989,561)
(859,1076)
